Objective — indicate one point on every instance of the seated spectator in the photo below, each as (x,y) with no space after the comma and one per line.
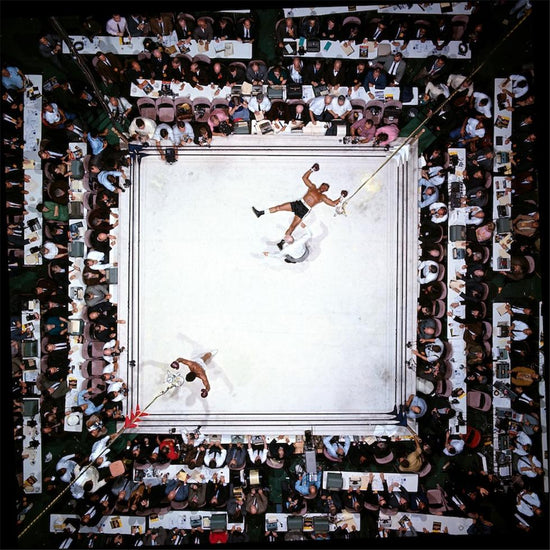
(310,27)
(394,67)
(314,73)
(415,407)
(429,195)
(110,180)
(215,455)
(428,271)
(355,76)
(329,28)
(481,103)
(257,456)
(245,31)
(13,78)
(299,114)
(55,117)
(277,76)
(238,109)
(184,29)
(256,502)
(165,143)
(236,456)
(220,75)
(53,211)
(413,461)
(137,71)
(161,25)
(236,76)
(259,104)
(119,108)
(183,133)
(375,80)
(335,448)
(340,108)
(224,29)
(137,25)
(336,75)
(471,131)
(308,485)
(217,491)
(295,71)
(203,135)
(142,129)
(288,29)
(256,73)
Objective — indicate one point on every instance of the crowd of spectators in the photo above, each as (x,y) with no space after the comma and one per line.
(72,113)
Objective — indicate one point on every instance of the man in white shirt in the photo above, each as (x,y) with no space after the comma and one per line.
(482,104)
(119,107)
(183,133)
(142,129)
(116,26)
(318,108)
(340,107)
(259,104)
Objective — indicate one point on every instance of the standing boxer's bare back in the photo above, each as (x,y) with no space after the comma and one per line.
(196,370)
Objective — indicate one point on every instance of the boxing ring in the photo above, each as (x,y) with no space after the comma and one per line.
(314,346)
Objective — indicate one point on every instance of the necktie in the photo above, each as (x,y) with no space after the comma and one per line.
(162,27)
(376,34)
(118,27)
(245,32)
(393,68)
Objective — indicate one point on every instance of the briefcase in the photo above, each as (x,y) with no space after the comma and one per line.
(294,91)
(313,45)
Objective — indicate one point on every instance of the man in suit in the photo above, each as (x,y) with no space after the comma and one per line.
(246,32)
(299,113)
(161,25)
(377,32)
(435,71)
(203,30)
(356,75)
(375,79)
(109,67)
(310,28)
(286,29)
(394,67)
(236,75)
(314,73)
(256,73)
(336,76)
